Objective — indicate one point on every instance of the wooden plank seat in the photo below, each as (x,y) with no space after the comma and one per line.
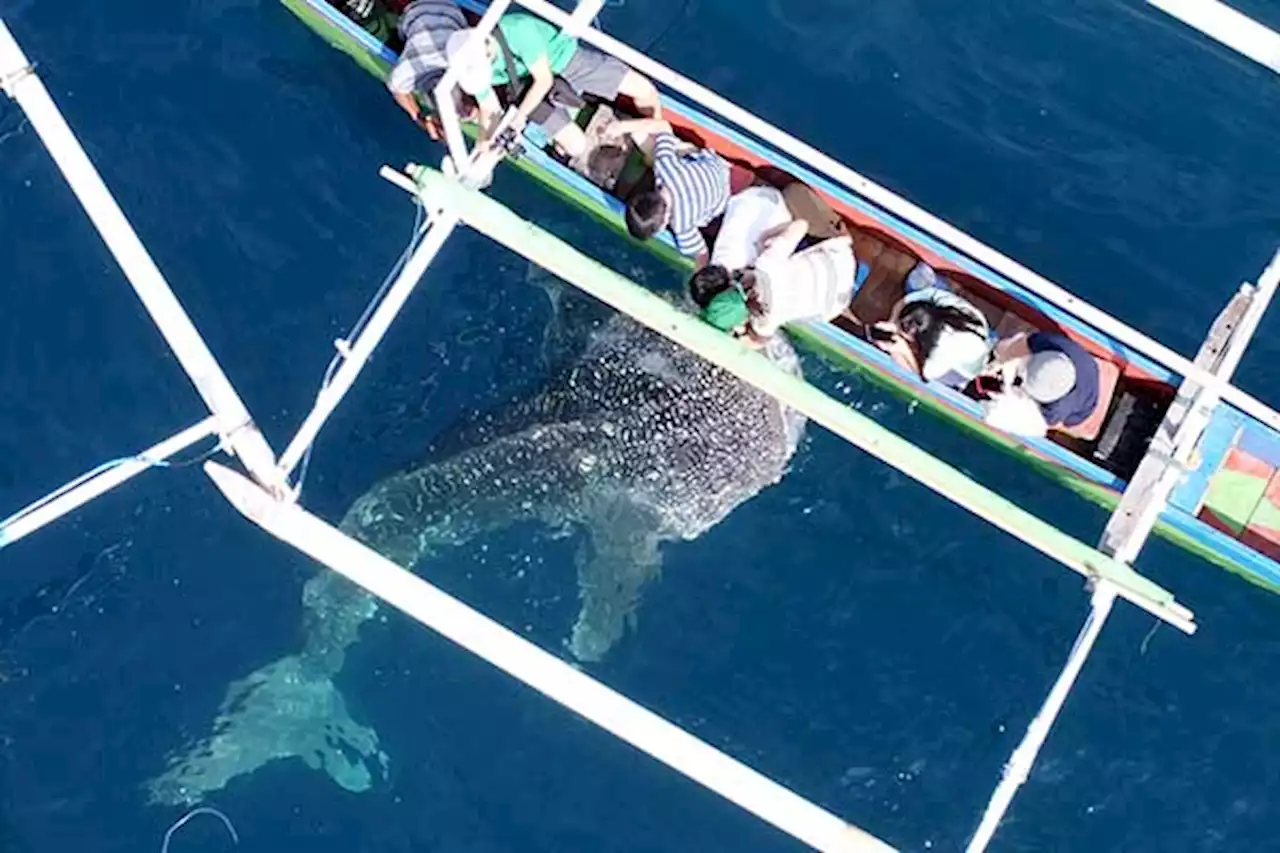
(884,285)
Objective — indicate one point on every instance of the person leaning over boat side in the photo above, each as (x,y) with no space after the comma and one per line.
(934,332)
(691,187)
(785,285)
(542,54)
(426,26)
(1046,380)
(751,217)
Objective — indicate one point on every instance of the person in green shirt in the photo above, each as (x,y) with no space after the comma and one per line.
(542,53)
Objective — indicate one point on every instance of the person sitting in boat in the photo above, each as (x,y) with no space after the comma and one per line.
(1042,380)
(536,50)
(375,17)
(426,26)
(751,217)
(934,332)
(785,285)
(690,187)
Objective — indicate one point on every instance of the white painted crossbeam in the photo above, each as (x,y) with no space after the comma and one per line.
(1228,26)
(19,81)
(31,518)
(544,672)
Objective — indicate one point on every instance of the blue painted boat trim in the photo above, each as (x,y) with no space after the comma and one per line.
(1241,555)
(1261,442)
(1224,426)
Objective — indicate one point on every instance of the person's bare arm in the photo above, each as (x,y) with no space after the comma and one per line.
(409,104)
(642,130)
(543,77)
(429,123)
(770,233)
(1017,346)
(1008,356)
(490,114)
(783,243)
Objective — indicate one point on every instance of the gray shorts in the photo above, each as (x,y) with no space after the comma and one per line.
(589,72)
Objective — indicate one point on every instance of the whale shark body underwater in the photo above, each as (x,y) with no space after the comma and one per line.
(638,442)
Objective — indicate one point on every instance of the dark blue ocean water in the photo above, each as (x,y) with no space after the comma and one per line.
(846,632)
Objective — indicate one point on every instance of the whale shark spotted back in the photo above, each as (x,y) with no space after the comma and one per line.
(635,443)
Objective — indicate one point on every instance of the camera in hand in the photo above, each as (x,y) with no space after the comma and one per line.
(987,386)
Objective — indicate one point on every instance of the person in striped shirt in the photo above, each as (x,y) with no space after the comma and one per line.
(691,187)
(426,26)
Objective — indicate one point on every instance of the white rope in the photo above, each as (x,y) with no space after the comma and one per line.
(194,813)
(1018,768)
(421,221)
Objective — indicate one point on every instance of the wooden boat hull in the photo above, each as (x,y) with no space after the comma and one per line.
(1210,514)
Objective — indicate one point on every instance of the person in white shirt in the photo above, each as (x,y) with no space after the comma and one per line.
(753,216)
(750,218)
(935,333)
(785,285)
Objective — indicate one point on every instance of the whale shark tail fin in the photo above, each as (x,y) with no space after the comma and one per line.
(282,711)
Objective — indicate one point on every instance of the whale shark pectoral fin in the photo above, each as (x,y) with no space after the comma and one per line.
(619,557)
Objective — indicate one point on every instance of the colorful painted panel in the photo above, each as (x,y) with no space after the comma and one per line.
(1235,491)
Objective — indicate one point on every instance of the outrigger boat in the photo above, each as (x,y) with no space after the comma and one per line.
(1226,508)
(1176,447)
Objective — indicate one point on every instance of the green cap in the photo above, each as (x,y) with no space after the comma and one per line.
(727,310)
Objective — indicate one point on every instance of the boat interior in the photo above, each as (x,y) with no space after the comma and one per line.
(1131,402)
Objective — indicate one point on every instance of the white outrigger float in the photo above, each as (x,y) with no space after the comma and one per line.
(264,493)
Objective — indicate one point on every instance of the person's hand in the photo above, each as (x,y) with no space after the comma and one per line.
(884,335)
(431,124)
(613,132)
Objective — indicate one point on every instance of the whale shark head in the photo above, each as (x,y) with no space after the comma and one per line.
(638,442)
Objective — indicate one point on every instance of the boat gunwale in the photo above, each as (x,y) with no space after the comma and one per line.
(1069,469)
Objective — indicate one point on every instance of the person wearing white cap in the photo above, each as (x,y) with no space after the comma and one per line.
(1048,381)
(540,53)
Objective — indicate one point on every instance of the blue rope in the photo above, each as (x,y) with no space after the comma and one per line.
(96,472)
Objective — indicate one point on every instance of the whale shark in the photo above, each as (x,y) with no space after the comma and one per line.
(635,443)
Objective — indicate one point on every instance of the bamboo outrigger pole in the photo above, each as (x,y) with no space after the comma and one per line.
(544,672)
(543,248)
(20,82)
(1229,27)
(1135,516)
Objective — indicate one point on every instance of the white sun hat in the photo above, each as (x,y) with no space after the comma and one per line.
(468,54)
(1049,375)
